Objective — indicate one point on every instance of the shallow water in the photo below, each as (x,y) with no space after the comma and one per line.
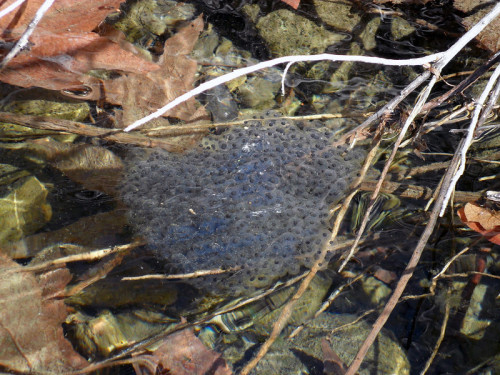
(78,183)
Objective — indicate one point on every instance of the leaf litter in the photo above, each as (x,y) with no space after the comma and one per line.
(140,94)
(64,46)
(31,335)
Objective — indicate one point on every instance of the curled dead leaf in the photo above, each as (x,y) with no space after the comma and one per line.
(482,220)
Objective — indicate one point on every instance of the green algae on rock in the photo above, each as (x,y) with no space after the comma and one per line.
(289,34)
(338,14)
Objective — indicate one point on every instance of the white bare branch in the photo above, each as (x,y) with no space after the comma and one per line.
(439,59)
(470,136)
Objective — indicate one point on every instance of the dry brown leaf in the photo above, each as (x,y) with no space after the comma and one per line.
(482,220)
(64,15)
(182,353)
(31,335)
(63,46)
(141,94)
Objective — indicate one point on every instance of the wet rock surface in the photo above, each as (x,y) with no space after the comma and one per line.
(254,198)
(305,355)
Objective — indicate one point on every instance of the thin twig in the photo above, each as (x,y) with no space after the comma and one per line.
(469,274)
(407,274)
(435,279)
(186,129)
(87,257)
(441,336)
(462,85)
(23,40)
(489,107)
(191,275)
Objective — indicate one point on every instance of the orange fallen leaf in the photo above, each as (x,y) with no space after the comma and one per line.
(482,220)
(63,47)
(293,3)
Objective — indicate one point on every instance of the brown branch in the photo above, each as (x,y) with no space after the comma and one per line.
(50,123)
(415,191)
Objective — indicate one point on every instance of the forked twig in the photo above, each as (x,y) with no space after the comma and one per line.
(280,60)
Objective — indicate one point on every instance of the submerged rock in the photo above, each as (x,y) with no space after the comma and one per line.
(255,198)
(24,208)
(305,353)
(289,34)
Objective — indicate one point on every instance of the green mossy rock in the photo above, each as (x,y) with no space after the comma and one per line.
(338,14)
(286,33)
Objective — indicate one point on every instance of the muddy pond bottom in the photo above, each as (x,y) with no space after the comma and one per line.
(253,200)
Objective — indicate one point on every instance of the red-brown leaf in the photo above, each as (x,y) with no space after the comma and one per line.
(293,3)
(482,220)
(182,353)
(31,335)
(63,47)
(63,16)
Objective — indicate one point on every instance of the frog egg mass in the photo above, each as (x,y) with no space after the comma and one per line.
(255,198)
